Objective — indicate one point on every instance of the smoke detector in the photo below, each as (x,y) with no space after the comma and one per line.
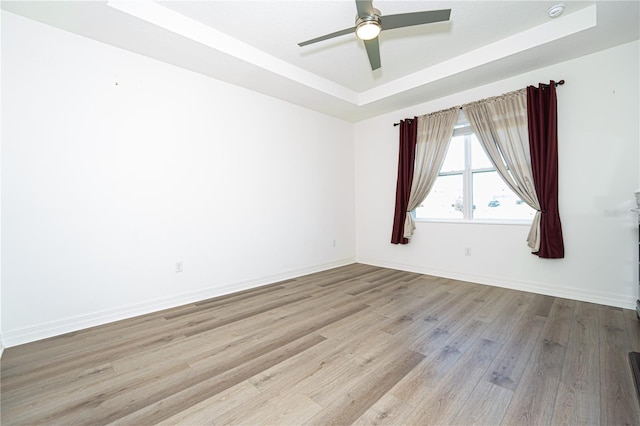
(555,11)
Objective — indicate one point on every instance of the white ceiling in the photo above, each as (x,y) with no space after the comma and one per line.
(253,44)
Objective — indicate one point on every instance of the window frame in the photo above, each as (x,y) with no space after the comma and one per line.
(463,128)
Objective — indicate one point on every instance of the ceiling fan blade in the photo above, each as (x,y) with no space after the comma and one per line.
(390,22)
(328,36)
(365,8)
(373,51)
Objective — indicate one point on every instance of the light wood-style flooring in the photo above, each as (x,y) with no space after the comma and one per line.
(354,345)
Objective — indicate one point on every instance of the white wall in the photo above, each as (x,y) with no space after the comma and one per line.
(598,173)
(1,344)
(114,166)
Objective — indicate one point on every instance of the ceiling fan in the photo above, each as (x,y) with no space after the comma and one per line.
(370,22)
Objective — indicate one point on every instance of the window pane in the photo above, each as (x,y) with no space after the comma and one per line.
(454,160)
(479,159)
(493,199)
(444,201)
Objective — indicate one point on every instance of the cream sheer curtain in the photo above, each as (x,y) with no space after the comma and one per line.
(501,125)
(432,141)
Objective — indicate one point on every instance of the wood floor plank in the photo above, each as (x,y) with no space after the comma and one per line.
(502,324)
(163,404)
(511,362)
(149,328)
(87,360)
(330,362)
(189,351)
(633,327)
(434,315)
(78,344)
(448,398)
(580,380)
(409,300)
(331,375)
(543,304)
(149,343)
(62,345)
(348,407)
(333,279)
(276,408)
(388,411)
(129,361)
(560,321)
(503,301)
(357,344)
(616,383)
(407,316)
(243,315)
(369,321)
(205,411)
(418,385)
(534,399)
(350,368)
(486,406)
(208,305)
(451,322)
(365,286)
(283,409)
(176,383)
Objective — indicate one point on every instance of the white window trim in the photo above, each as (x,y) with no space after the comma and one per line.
(517,222)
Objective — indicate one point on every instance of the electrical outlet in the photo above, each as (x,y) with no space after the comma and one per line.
(179,266)
(467,251)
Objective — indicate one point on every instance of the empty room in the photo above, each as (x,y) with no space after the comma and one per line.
(320,212)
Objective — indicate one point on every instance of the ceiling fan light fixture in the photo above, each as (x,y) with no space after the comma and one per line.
(368,29)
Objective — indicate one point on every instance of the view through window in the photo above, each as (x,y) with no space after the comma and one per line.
(469,187)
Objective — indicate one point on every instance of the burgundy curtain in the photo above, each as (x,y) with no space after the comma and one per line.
(406,160)
(543,144)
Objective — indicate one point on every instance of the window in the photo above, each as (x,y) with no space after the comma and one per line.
(469,187)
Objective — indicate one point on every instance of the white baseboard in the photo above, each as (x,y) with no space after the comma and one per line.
(602,298)
(55,328)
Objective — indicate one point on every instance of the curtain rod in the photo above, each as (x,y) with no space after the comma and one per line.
(558,83)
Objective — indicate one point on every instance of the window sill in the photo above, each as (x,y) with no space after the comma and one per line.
(517,222)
